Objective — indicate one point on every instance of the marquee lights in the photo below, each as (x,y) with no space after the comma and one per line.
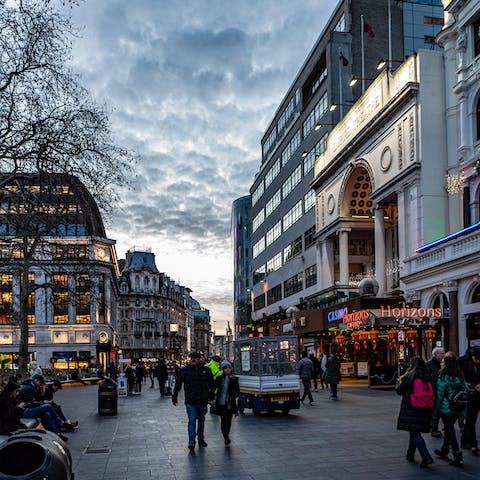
(469,229)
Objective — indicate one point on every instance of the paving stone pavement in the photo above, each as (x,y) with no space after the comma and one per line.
(352,439)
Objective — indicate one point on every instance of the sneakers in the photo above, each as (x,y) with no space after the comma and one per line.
(202,443)
(191,447)
(334,398)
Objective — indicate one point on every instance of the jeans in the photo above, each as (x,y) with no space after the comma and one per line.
(333,390)
(417,441)
(46,413)
(306,389)
(196,421)
(450,439)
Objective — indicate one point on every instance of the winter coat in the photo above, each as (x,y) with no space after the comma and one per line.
(316,366)
(140,371)
(198,385)
(412,419)
(434,366)
(305,368)
(161,372)
(10,412)
(446,387)
(332,370)
(30,394)
(232,395)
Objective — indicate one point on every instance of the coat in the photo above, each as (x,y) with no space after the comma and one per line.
(446,387)
(409,418)
(161,372)
(198,385)
(332,370)
(10,412)
(232,395)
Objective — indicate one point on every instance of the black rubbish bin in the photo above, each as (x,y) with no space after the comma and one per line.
(35,454)
(107,397)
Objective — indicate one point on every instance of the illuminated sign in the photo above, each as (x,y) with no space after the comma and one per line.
(337,314)
(356,319)
(410,312)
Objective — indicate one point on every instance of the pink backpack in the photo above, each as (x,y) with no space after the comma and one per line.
(422,396)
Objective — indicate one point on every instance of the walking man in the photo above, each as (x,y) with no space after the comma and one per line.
(332,374)
(199,391)
(305,367)
(434,365)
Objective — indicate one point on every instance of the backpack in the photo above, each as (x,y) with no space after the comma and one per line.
(422,396)
(458,400)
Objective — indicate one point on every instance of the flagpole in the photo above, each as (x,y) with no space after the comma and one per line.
(389,36)
(363,53)
(340,68)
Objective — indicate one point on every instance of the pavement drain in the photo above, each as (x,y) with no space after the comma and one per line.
(96,450)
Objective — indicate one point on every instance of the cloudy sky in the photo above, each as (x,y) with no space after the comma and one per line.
(191,86)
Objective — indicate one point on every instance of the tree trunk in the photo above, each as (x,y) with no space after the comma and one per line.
(23,354)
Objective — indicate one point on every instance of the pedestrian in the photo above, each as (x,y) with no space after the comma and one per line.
(434,365)
(11,411)
(47,393)
(140,375)
(315,370)
(130,374)
(470,364)
(411,419)
(226,406)
(199,391)
(323,368)
(450,382)
(150,374)
(332,374)
(304,368)
(112,372)
(35,369)
(161,372)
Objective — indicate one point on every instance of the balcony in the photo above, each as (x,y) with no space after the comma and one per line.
(332,296)
(458,249)
(137,333)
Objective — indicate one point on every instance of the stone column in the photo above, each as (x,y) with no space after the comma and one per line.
(343,255)
(327,263)
(380,272)
(72,287)
(452,288)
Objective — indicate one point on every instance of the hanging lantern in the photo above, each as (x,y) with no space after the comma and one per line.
(392,338)
(340,339)
(374,337)
(356,340)
(412,337)
(430,333)
(365,336)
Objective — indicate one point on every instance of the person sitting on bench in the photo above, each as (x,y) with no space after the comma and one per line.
(47,392)
(11,410)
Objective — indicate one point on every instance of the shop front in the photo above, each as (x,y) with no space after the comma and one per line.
(71,359)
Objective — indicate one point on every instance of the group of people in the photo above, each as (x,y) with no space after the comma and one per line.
(205,383)
(138,374)
(33,398)
(446,388)
(326,369)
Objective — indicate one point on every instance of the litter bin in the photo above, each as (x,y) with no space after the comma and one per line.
(35,454)
(107,397)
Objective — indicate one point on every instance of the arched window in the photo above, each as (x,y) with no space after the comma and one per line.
(441,302)
(137,282)
(154,285)
(146,283)
(476,295)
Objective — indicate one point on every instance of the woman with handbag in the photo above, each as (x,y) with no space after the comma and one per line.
(226,406)
(414,420)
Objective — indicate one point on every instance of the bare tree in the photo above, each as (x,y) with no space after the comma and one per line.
(49,126)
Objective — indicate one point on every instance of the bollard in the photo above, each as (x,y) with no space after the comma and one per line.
(107,397)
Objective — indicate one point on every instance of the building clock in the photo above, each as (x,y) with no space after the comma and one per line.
(102,337)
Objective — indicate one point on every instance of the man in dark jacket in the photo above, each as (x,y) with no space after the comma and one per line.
(199,389)
(332,374)
(434,365)
(305,368)
(11,410)
(161,372)
(470,364)
(30,394)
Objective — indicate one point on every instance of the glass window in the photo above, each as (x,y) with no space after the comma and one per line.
(317,150)
(274,294)
(274,263)
(258,220)
(292,181)
(274,233)
(6,301)
(315,115)
(476,295)
(292,216)
(310,237)
(258,192)
(101,305)
(309,200)
(82,299)
(259,302)
(286,116)
(341,26)
(311,276)
(272,173)
(293,249)
(259,247)
(293,285)
(273,203)
(291,147)
(60,299)
(259,274)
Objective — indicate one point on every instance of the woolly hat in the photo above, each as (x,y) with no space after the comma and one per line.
(224,364)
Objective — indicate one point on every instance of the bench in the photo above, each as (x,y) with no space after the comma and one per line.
(28,422)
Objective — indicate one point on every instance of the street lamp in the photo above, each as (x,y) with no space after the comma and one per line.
(355,79)
(381,63)
(319,125)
